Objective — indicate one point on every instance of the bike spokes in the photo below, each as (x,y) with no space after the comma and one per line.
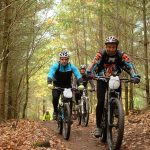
(115,127)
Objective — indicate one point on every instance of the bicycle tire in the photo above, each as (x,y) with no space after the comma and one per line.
(66,121)
(85,116)
(103,137)
(59,121)
(115,123)
(79,116)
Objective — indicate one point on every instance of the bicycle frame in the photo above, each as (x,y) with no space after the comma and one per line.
(84,99)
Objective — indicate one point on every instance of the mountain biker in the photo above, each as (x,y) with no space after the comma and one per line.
(109,61)
(61,75)
(46,116)
(85,79)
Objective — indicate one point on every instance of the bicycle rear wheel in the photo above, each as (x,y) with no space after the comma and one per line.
(115,128)
(85,115)
(67,121)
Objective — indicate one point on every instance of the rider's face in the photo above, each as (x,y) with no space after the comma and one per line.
(64,61)
(82,71)
(111,49)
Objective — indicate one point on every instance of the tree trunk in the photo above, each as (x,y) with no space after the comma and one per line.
(4,64)
(126,99)
(44,106)
(101,25)
(27,86)
(84,36)
(127,51)
(118,22)
(145,52)
(131,105)
(10,110)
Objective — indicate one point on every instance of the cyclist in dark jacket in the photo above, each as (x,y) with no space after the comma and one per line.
(61,76)
(109,61)
(85,80)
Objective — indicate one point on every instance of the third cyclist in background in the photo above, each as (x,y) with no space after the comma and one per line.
(85,80)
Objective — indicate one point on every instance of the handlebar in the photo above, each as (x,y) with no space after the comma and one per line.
(61,89)
(107,78)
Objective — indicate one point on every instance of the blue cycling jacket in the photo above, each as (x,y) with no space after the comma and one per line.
(62,75)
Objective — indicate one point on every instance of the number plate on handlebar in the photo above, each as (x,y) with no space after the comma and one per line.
(67,93)
(114,82)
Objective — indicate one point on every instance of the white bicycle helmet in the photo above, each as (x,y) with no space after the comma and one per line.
(111,39)
(83,66)
(64,54)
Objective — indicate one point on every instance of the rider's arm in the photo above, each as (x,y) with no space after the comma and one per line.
(74,84)
(76,72)
(92,84)
(128,66)
(97,59)
(52,72)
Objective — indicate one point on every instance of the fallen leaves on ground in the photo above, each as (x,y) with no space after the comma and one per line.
(36,135)
(25,136)
(137,131)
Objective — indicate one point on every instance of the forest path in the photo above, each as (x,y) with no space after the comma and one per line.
(136,135)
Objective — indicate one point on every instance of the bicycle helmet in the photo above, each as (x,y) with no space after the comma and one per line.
(64,54)
(111,40)
(83,66)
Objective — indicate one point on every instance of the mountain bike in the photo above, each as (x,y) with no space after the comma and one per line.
(83,109)
(64,112)
(112,123)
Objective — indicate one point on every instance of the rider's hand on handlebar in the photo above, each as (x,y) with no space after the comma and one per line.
(135,79)
(50,86)
(90,75)
(80,87)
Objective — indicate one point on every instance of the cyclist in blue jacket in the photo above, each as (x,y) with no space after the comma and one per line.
(109,61)
(61,75)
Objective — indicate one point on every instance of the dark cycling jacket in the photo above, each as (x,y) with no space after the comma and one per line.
(108,65)
(85,81)
(62,75)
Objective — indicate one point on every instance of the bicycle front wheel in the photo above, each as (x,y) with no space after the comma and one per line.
(115,127)
(67,121)
(59,120)
(103,137)
(85,115)
(79,116)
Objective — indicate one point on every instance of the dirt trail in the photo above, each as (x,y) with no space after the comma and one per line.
(81,138)
(136,135)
